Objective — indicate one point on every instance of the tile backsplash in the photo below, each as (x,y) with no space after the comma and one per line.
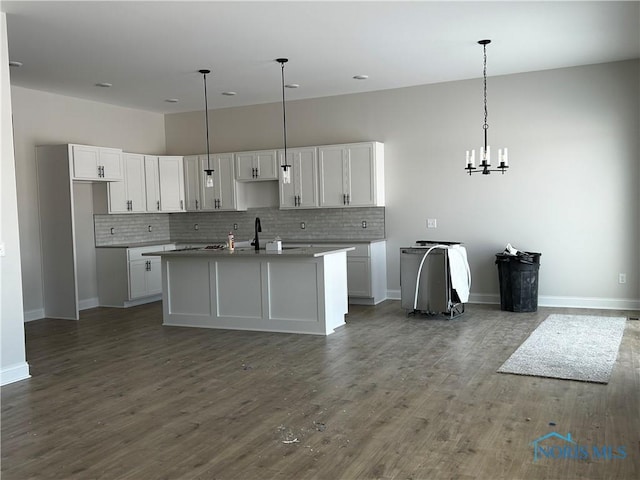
(319,224)
(132,228)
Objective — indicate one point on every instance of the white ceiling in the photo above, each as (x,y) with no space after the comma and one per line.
(152,51)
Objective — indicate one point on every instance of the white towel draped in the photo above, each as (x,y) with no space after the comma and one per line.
(459,271)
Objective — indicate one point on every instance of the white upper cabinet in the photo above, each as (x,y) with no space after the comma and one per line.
(256,166)
(152,183)
(302,191)
(164,183)
(351,175)
(171,173)
(129,195)
(96,163)
(224,193)
(192,180)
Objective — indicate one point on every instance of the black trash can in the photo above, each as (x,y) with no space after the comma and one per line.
(518,276)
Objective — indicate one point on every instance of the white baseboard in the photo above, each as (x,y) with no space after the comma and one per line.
(590,302)
(88,303)
(142,301)
(31,315)
(393,294)
(14,373)
(553,301)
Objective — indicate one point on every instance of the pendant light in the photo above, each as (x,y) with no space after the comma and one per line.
(208,170)
(485,150)
(286,168)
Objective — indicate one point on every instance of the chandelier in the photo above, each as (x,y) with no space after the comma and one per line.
(485,150)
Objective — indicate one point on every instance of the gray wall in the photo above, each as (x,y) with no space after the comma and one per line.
(571,193)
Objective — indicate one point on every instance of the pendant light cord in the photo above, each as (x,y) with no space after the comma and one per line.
(206,120)
(284,119)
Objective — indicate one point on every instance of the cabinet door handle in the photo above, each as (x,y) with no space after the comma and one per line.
(158,204)
(196,204)
(348,199)
(181,204)
(344,198)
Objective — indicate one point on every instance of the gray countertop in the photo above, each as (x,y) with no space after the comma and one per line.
(249,252)
(207,242)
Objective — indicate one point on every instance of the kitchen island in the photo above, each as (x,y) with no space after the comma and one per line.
(295,290)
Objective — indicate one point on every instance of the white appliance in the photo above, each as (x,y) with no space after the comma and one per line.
(427,278)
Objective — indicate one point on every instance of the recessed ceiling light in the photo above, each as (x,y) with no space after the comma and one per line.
(360,77)
(172,100)
(229,94)
(292,85)
(104,84)
(15,63)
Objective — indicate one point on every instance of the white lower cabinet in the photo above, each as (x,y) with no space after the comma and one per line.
(366,270)
(126,277)
(367,273)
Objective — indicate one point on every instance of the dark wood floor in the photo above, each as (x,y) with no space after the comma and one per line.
(118,396)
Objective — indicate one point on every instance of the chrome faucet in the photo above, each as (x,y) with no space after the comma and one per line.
(258,228)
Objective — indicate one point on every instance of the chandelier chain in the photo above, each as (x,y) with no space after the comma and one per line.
(484,73)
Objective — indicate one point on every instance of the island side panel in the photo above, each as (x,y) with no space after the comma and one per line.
(238,291)
(336,300)
(187,284)
(293,291)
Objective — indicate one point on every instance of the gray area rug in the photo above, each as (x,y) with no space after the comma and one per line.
(571,347)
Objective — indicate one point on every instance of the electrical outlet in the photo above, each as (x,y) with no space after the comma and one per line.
(302,225)
(622,278)
(235,226)
(196,226)
(112,230)
(364,224)
(432,223)
(149,228)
